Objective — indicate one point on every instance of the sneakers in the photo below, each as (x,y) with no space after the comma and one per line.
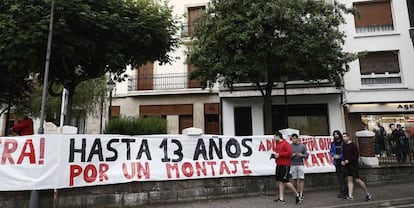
(302,197)
(298,199)
(349,198)
(368,197)
(279,200)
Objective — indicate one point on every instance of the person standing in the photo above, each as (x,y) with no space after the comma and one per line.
(24,127)
(392,141)
(299,152)
(336,153)
(282,156)
(380,135)
(350,163)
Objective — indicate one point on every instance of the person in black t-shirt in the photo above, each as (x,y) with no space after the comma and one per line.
(350,164)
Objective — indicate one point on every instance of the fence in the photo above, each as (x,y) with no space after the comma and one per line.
(394,155)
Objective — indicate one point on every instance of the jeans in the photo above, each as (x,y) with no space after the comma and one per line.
(340,174)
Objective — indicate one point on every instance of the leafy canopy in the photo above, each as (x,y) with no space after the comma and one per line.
(85,101)
(90,37)
(262,40)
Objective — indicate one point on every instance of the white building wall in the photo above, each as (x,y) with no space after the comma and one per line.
(178,56)
(129,101)
(335,111)
(398,39)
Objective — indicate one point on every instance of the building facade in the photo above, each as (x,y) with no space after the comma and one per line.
(378,87)
(167,90)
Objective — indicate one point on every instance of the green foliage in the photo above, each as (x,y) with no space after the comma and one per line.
(15,88)
(261,40)
(136,126)
(88,95)
(90,37)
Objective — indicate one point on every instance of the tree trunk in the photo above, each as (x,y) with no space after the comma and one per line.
(7,130)
(267,113)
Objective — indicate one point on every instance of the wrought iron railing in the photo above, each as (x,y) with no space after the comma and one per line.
(162,81)
(395,155)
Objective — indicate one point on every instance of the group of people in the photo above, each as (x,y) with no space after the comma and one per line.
(345,155)
(289,162)
(395,143)
(399,142)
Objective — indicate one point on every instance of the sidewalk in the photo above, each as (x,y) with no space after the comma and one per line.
(383,195)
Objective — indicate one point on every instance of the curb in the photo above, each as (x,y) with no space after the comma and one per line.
(380,203)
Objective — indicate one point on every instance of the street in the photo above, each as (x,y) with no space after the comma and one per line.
(384,195)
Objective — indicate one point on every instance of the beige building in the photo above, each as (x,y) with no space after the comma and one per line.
(166,90)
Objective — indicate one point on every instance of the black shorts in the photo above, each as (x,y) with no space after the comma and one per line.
(352,170)
(282,173)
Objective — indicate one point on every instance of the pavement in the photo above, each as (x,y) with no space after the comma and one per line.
(383,195)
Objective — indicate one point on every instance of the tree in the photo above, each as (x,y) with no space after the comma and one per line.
(260,41)
(15,88)
(90,38)
(17,52)
(84,102)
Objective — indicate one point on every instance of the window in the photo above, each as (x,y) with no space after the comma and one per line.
(309,119)
(243,121)
(410,5)
(145,76)
(373,16)
(379,68)
(192,83)
(192,14)
(211,118)
(185,121)
(115,111)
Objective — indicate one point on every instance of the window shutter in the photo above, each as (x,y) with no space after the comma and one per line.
(145,76)
(193,14)
(379,63)
(373,13)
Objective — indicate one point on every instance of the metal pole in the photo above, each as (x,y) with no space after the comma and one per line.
(110,105)
(34,195)
(286,106)
(46,75)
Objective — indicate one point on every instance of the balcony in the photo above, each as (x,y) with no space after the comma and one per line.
(162,82)
(381,79)
(185,30)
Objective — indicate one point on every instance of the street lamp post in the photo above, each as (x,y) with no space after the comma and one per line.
(34,194)
(285,79)
(111,86)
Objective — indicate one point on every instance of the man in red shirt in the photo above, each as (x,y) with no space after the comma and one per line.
(24,127)
(282,155)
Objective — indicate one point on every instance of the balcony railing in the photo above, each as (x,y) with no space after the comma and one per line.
(162,82)
(381,79)
(187,29)
(375,28)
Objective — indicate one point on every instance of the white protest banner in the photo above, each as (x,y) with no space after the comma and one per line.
(64,161)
